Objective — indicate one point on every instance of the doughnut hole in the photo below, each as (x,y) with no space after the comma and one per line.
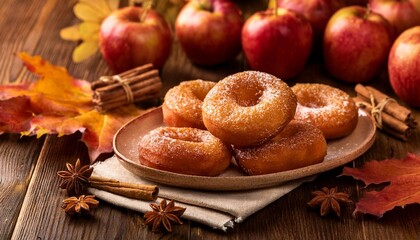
(200,94)
(248,95)
(311,100)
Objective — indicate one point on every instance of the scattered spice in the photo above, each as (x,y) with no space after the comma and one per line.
(163,214)
(75,179)
(80,205)
(329,199)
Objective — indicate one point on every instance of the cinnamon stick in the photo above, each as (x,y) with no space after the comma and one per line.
(103,95)
(392,108)
(130,81)
(135,71)
(131,190)
(136,85)
(391,125)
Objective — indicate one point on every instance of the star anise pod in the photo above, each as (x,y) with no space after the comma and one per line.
(80,205)
(163,214)
(75,178)
(329,199)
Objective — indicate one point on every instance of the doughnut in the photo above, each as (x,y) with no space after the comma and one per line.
(184,150)
(247,108)
(328,108)
(298,145)
(182,104)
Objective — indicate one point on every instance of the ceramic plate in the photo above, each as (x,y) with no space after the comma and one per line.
(339,152)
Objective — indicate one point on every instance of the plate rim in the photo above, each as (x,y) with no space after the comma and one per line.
(187,179)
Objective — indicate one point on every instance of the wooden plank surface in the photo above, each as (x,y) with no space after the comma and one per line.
(29,194)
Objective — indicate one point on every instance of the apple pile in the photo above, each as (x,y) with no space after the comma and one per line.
(318,12)
(355,40)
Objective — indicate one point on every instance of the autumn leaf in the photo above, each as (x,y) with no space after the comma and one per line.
(57,103)
(14,114)
(404,188)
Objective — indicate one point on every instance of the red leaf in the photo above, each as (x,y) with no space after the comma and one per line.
(57,103)
(403,176)
(15,114)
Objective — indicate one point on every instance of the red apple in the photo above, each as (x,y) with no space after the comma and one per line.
(209,31)
(401,14)
(277,42)
(356,44)
(318,12)
(404,66)
(126,41)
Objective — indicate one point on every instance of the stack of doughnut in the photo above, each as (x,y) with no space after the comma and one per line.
(251,117)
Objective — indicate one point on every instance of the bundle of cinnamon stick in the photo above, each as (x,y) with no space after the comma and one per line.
(130,190)
(389,116)
(135,85)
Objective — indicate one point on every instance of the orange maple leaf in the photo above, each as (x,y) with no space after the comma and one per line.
(404,188)
(57,103)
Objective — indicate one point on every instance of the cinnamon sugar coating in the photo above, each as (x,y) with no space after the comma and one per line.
(183,103)
(184,150)
(247,108)
(298,145)
(328,108)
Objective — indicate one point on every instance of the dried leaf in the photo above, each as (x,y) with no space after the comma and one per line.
(71,33)
(88,12)
(85,50)
(89,31)
(403,176)
(59,104)
(14,114)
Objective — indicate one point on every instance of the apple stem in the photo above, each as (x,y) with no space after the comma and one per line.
(146,6)
(206,4)
(367,11)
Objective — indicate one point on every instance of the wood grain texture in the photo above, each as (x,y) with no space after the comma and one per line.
(17,162)
(29,195)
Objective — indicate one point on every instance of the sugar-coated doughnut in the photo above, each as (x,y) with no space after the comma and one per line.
(184,150)
(298,145)
(328,108)
(182,104)
(248,107)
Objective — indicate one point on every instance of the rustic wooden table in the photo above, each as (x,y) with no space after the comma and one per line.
(29,195)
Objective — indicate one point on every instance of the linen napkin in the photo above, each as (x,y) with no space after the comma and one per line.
(219,210)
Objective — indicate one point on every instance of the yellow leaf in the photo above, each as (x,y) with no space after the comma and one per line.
(70,33)
(89,31)
(271,3)
(85,50)
(57,85)
(88,13)
(113,4)
(106,7)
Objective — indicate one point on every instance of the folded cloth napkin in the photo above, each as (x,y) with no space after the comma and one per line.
(216,209)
